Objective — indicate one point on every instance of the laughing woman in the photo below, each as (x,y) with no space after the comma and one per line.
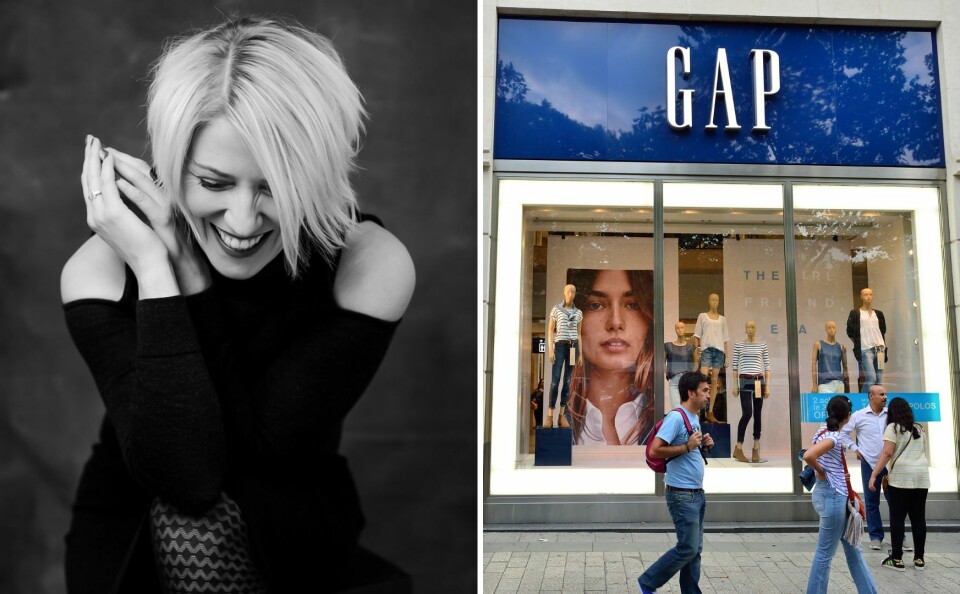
(231,324)
(611,393)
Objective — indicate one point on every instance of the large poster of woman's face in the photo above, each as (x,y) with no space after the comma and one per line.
(611,389)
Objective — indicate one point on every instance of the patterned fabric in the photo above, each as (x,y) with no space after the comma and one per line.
(910,467)
(567,321)
(207,553)
(751,357)
(832,460)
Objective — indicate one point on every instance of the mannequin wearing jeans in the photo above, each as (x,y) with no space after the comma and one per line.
(711,337)
(867,328)
(563,345)
(829,365)
(751,366)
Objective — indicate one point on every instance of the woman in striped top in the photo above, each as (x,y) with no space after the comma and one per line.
(751,367)
(904,443)
(825,456)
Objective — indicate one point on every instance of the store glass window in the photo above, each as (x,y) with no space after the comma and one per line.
(574,352)
(871,310)
(724,280)
(593,352)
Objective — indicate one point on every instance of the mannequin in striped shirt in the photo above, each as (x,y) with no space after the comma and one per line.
(751,367)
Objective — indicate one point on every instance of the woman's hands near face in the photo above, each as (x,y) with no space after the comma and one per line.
(107,215)
(137,184)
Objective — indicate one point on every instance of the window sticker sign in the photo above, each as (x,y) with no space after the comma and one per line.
(925,405)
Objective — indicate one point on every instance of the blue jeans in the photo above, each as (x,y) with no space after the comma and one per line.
(687,509)
(832,506)
(561,361)
(871,373)
(871,500)
(711,357)
(674,383)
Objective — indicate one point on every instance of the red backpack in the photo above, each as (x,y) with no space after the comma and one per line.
(660,464)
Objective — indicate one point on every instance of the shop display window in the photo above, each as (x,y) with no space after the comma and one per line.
(726,272)
(723,255)
(869,253)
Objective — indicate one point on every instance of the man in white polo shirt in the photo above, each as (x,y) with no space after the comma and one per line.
(869,423)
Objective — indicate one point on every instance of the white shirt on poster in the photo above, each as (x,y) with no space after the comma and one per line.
(626,420)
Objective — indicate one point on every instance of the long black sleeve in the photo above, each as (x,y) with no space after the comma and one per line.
(291,397)
(297,394)
(158,394)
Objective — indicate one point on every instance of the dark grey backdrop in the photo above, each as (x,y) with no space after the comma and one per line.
(69,68)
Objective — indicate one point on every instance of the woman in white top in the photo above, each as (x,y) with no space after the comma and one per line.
(711,337)
(904,447)
(825,456)
(611,392)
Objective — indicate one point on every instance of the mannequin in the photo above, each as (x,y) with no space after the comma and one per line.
(867,328)
(563,346)
(751,367)
(681,356)
(829,364)
(711,338)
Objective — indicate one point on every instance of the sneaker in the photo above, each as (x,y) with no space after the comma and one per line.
(875,545)
(907,545)
(643,590)
(894,564)
(918,564)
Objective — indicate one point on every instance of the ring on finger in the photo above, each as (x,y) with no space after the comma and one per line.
(94,194)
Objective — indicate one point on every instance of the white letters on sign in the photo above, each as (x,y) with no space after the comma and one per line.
(760,92)
(721,75)
(685,94)
(766,73)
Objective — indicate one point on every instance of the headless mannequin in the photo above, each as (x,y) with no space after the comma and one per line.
(751,330)
(710,370)
(569,292)
(830,327)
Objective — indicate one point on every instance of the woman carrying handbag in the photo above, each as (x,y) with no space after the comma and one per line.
(831,498)
(904,446)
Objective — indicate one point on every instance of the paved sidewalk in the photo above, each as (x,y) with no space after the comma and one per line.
(731,562)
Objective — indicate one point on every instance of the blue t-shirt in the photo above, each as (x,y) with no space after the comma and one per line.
(686,470)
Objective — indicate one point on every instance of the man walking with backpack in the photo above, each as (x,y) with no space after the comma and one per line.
(684,486)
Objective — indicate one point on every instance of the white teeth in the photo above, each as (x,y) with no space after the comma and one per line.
(238,244)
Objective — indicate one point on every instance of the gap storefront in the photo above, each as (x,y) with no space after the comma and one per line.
(769,172)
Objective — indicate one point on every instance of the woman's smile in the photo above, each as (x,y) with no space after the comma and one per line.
(237,246)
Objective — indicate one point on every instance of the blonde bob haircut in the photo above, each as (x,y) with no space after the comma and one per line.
(287,93)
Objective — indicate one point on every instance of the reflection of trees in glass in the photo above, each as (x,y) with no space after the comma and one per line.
(838,104)
(830,225)
(511,86)
(545,131)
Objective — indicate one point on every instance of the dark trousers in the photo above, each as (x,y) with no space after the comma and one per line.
(561,362)
(751,405)
(903,503)
(871,500)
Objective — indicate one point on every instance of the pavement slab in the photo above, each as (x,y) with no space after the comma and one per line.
(736,563)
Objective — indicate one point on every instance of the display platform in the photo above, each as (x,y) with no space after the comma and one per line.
(720,432)
(554,447)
